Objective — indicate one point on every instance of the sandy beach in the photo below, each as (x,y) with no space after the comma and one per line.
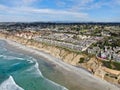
(78,77)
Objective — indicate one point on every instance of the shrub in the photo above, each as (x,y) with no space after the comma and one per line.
(82,60)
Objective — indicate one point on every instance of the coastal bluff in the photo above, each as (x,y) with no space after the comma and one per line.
(93,65)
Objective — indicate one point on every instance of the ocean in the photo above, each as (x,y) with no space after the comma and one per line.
(21,72)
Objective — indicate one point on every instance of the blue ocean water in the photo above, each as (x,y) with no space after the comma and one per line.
(21,72)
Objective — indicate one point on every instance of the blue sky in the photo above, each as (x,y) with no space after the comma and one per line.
(60,10)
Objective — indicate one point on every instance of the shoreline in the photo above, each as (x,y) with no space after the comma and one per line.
(88,78)
(47,56)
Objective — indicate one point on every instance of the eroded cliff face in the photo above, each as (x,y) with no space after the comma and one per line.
(93,65)
(65,55)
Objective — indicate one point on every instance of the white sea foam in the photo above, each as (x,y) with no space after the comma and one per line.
(13,57)
(57,85)
(1,56)
(4,49)
(50,82)
(36,67)
(8,57)
(10,84)
(53,83)
(15,64)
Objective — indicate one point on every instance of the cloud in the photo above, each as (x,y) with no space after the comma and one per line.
(28,2)
(80,5)
(73,3)
(42,13)
(86,5)
(116,2)
(60,3)
(74,10)
(53,12)
(2,7)
(21,3)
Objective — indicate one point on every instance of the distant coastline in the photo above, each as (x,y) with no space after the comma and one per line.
(64,23)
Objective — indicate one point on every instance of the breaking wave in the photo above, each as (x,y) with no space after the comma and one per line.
(10,84)
(21,72)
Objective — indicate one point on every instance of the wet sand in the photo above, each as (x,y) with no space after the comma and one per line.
(64,74)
